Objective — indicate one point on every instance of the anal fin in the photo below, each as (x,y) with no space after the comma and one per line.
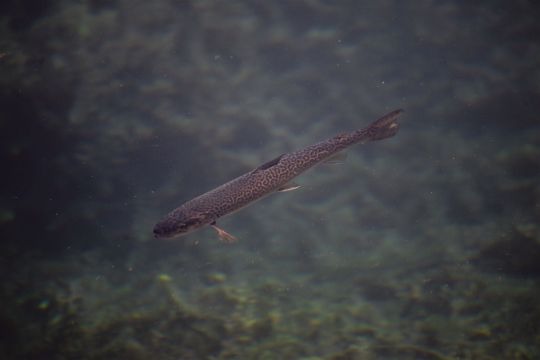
(290,186)
(336,159)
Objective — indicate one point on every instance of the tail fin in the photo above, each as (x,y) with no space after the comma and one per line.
(385,127)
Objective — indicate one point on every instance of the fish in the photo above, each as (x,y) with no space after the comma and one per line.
(273,176)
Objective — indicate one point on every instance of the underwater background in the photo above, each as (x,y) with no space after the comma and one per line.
(422,246)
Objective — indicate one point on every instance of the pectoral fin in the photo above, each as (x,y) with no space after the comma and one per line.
(223,235)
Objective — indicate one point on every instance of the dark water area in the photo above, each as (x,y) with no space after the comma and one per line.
(422,246)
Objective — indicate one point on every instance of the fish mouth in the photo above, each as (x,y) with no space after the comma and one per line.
(158,236)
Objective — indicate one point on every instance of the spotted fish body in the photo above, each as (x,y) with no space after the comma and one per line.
(271,176)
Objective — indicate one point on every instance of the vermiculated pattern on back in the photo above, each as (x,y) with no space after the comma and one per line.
(265,179)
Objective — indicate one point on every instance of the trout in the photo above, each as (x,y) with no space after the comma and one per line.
(272,176)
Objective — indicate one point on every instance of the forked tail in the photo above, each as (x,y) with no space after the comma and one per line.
(385,127)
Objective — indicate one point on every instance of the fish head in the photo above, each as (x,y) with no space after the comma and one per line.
(181,222)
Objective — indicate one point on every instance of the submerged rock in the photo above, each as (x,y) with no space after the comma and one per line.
(514,254)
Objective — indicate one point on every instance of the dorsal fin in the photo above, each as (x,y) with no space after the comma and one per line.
(269,164)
